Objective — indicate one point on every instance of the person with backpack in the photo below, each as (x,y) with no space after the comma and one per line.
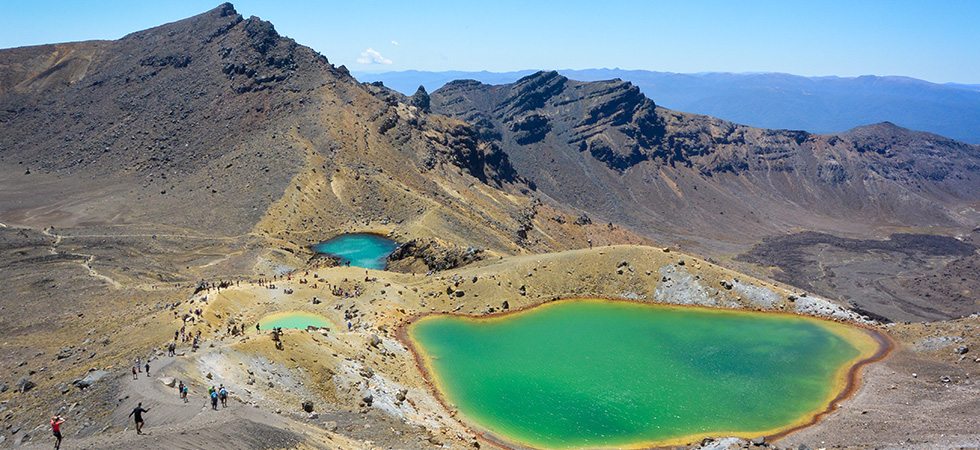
(214,399)
(223,396)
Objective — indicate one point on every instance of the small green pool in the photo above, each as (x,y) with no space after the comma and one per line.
(366,250)
(297,320)
(597,373)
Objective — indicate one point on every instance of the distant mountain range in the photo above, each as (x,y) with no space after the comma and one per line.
(770,100)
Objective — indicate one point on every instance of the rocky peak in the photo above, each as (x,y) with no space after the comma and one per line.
(206,25)
(530,93)
(420,99)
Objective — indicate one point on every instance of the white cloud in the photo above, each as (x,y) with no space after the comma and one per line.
(395,43)
(372,56)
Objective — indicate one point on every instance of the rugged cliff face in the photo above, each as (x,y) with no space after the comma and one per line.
(607,149)
(218,123)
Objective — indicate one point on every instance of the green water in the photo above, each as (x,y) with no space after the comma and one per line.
(366,250)
(589,373)
(294,320)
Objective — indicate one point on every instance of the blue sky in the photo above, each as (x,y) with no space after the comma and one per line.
(932,40)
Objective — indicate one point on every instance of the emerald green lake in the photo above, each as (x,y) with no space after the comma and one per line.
(595,373)
(296,320)
(366,250)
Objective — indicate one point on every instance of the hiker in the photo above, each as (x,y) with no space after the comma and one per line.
(223,396)
(256,326)
(134,374)
(183,393)
(138,365)
(138,417)
(147,369)
(180,390)
(214,399)
(56,422)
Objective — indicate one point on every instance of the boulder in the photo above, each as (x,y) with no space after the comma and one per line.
(368,399)
(64,353)
(962,350)
(168,381)
(375,341)
(90,379)
(24,385)
(308,406)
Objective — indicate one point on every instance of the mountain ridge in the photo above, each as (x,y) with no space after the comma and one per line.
(826,104)
(616,125)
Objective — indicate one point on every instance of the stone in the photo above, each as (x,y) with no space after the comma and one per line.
(945,379)
(4,387)
(308,406)
(366,372)
(368,399)
(22,439)
(168,381)
(375,341)
(91,378)
(400,395)
(24,385)
(330,426)
(64,353)
(759,441)
(962,350)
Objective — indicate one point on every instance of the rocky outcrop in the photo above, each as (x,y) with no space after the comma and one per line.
(432,254)
(420,100)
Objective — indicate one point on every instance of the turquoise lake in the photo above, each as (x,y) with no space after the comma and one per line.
(366,250)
